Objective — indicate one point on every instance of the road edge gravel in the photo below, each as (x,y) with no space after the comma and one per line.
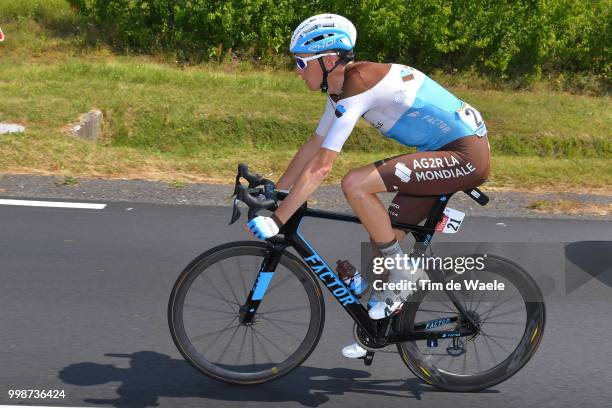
(330,197)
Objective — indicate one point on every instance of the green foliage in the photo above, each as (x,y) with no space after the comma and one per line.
(504,38)
(54,14)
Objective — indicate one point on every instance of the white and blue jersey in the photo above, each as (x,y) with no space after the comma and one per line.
(403,103)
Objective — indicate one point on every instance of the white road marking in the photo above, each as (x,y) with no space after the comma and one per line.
(30,203)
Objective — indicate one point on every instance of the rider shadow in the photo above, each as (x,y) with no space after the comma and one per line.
(152,375)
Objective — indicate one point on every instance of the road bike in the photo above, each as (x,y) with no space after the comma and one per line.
(248,312)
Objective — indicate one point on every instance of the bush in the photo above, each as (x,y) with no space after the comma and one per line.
(502,38)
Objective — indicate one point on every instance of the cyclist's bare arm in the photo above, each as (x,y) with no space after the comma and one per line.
(299,161)
(312,175)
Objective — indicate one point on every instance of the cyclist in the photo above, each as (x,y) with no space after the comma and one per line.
(403,104)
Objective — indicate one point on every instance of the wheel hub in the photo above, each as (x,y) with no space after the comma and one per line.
(474,316)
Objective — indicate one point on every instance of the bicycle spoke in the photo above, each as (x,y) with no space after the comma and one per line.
(518,309)
(252,344)
(226,328)
(498,344)
(495,305)
(287,332)
(244,289)
(212,285)
(490,350)
(209,309)
(498,336)
(213,296)
(479,300)
(228,344)
(231,288)
(286,321)
(508,323)
(289,309)
(271,342)
(257,334)
(448,305)
(242,344)
(477,356)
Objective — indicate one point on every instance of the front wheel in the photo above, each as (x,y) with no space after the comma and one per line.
(511,323)
(204,314)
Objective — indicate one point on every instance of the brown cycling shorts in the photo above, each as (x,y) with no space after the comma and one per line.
(459,165)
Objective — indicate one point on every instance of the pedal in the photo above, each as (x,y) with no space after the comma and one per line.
(368,358)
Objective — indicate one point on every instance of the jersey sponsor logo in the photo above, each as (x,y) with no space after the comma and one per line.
(430,120)
(445,173)
(340,110)
(378,125)
(403,172)
(436,122)
(434,162)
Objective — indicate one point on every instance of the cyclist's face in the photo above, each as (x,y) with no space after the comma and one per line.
(312,74)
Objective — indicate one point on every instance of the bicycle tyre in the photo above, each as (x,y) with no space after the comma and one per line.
(426,370)
(222,373)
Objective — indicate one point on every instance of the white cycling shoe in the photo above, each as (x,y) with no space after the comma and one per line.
(386,308)
(387,302)
(354,351)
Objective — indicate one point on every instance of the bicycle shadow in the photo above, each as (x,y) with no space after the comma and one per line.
(152,375)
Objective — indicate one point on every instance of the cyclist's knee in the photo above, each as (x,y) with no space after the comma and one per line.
(351,184)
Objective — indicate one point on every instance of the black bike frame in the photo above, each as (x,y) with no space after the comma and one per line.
(317,265)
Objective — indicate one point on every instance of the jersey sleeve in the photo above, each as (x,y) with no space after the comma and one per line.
(326,119)
(345,117)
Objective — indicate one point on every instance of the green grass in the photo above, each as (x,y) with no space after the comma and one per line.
(195,123)
(199,122)
(182,112)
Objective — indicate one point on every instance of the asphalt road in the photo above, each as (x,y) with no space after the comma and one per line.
(83,309)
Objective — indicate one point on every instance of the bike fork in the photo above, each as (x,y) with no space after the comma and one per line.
(262,282)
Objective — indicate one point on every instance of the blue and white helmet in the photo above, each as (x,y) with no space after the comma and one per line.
(323,32)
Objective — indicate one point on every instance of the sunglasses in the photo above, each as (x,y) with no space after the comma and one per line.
(302,62)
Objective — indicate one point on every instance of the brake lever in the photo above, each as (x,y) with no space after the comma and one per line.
(235,212)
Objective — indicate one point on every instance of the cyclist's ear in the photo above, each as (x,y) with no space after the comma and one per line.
(330,61)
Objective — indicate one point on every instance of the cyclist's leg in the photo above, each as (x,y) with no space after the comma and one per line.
(461,164)
(404,209)
(360,187)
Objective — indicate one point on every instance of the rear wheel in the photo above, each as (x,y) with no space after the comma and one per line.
(204,307)
(511,325)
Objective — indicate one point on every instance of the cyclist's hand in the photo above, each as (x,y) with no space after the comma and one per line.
(263,227)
